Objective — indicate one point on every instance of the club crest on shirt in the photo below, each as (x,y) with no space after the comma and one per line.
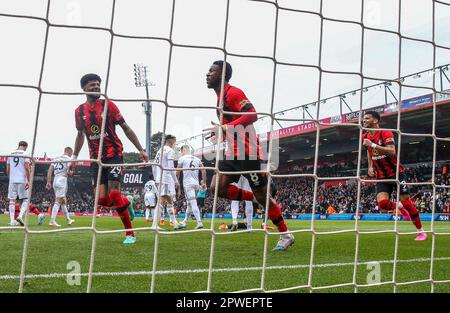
(95,129)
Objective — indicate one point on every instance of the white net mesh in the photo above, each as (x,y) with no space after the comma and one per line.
(277,9)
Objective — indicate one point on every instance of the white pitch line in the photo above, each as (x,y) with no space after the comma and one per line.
(217,270)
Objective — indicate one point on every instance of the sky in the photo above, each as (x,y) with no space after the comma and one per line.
(201,24)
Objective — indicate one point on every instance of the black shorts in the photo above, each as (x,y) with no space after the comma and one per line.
(113,173)
(201,202)
(255,180)
(391,187)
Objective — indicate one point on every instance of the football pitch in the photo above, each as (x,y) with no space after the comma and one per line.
(183,259)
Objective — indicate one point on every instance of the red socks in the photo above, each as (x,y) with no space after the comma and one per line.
(277,218)
(115,198)
(236,193)
(385,204)
(407,204)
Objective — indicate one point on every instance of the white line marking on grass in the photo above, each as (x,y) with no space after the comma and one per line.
(216,270)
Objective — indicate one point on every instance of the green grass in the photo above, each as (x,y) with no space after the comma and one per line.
(50,253)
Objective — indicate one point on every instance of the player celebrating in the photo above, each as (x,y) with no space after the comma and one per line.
(190,183)
(244,153)
(18,170)
(61,169)
(382,160)
(88,120)
(244,185)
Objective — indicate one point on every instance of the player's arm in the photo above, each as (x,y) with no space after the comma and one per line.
(370,164)
(179,165)
(131,135)
(388,149)
(171,165)
(79,142)
(49,177)
(79,139)
(7,167)
(240,103)
(173,173)
(27,172)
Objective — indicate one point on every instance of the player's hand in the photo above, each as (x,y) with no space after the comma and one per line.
(48,186)
(217,125)
(72,166)
(371,172)
(212,132)
(177,185)
(367,142)
(144,156)
(27,185)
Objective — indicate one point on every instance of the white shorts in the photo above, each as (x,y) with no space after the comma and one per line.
(190,192)
(17,191)
(166,189)
(150,200)
(60,186)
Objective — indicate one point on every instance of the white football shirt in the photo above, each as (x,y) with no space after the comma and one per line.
(150,187)
(61,168)
(166,155)
(190,177)
(17,163)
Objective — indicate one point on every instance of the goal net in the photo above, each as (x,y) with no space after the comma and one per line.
(310,68)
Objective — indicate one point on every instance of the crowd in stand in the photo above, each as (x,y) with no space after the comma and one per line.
(295,194)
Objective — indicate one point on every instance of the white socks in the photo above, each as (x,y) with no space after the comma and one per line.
(55,210)
(65,211)
(147,214)
(155,213)
(234,210)
(171,212)
(249,213)
(12,208)
(23,208)
(195,210)
(188,213)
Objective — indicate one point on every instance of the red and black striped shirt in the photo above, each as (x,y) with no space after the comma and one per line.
(88,119)
(241,134)
(384,165)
